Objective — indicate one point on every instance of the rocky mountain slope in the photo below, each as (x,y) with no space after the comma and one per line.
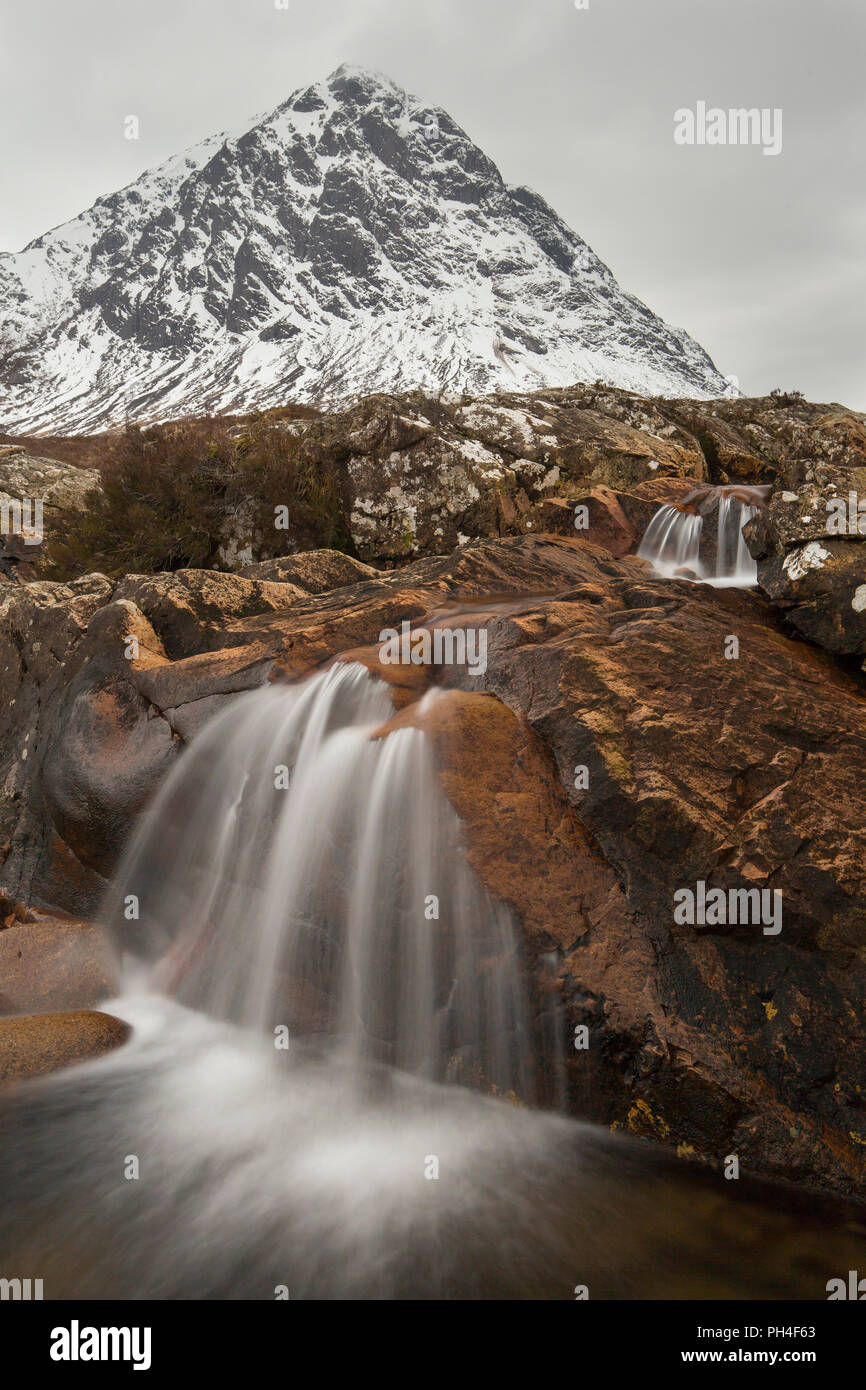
(353,240)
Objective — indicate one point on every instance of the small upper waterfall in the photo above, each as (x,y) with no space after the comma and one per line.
(672,541)
(677,543)
(297,869)
(734,562)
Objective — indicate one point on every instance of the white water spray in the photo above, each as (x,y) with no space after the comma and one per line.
(734,563)
(673,544)
(297,870)
(305,1173)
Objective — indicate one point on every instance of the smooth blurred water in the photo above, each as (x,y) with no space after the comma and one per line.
(734,562)
(261,1172)
(298,870)
(205,1160)
(672,542)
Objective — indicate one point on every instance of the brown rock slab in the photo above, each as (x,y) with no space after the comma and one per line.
(596,515)
(699,768)
(312,571)
(190,607)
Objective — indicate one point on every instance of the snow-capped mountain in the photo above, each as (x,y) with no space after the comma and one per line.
(354,240)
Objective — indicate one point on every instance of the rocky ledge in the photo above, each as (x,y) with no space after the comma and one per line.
(697,767)
(618,749)
(415,475)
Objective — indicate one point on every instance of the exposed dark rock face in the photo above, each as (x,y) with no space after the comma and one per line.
(424,480)
(418,475)
(780,438)
(699,768)
(421,475)
(810,546)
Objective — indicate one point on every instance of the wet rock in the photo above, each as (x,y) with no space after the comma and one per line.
(54,963)
(610,756)
(35,1044)
(595,514)
(683,766)
(697,768)
(93,713)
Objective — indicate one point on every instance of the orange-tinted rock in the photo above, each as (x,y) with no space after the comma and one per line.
(36,1044)
(611,755)
(596,515)
(312,571)
(697,768)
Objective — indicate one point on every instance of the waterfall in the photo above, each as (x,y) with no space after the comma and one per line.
(672,541)
(296,870)
(734,564)
(675,540)
(284,874)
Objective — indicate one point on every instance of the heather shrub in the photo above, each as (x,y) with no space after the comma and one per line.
(171,495)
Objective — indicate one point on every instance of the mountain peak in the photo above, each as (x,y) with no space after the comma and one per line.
(349,84)
(364,77)
(354,240)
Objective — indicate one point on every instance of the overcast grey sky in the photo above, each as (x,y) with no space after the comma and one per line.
(762,259)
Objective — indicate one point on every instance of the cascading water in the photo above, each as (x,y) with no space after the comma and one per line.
(675,539)
(297,870)
(734,563)
(281,875)
(672,541)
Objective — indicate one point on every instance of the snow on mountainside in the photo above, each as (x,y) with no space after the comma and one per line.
(354,240)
